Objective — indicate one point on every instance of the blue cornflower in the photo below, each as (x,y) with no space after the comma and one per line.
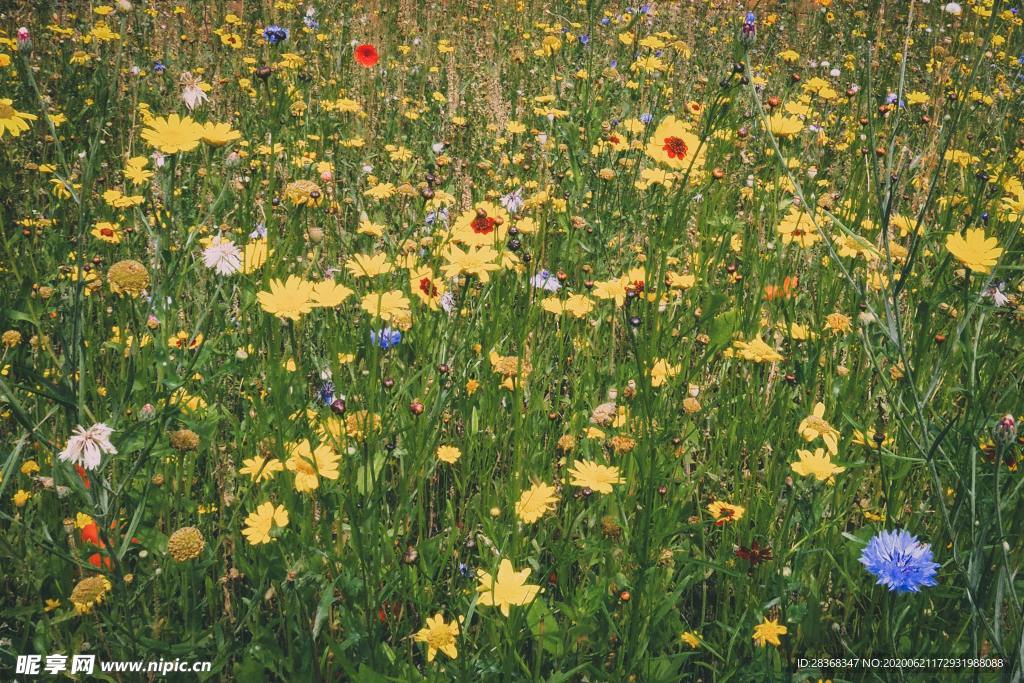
(900,561)
(159,67)
(386,338)
(646,118)
(274,34)
(327,393)
(584,39)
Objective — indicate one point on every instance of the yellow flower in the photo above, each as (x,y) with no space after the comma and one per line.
(173,134)
(219,134)
(328,294)
(303,193)
(690,638)
(815,425)
(310,464)
(136,172)
(577,304)
(725,512)
(11,120)
(254,255)
(769,632)
(449,454)
(817,465)
(674,145)
(838,323)
(662,371)
(427,287)
(481,225)
(438,636)
(20,498)
(89,592)
(535,502)
(784,126)
(612,289)
(475,261)
(259,523)
(261,468)
(588,474)
(368,265)
(974,250)
(389,306)
(757,351)
(510,588)
(290,299)
(798,226)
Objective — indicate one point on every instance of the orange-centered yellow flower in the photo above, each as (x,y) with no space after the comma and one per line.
(438,636)
(815,425)
(769,632)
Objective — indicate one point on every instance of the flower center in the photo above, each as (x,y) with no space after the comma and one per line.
(6,111)
(427,287)
(483,225)
(675,147)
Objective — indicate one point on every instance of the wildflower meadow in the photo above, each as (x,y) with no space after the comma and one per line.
(511,340)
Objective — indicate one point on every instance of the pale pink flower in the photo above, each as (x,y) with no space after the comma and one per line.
(223,256)
(87,446)
(191,92)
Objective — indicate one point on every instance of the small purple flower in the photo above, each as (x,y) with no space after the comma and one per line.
(327,393)
(901,562)
(259,233)
(310,19)
(605,21)
(513,201)
(439,215)
(546,281)
(646,118)
(159,67)
(386,338)
(584,39)
(275,34)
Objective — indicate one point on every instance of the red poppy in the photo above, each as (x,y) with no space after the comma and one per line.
(789,284)
(91,534)
(98,560)
(366,55)
(85,477)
